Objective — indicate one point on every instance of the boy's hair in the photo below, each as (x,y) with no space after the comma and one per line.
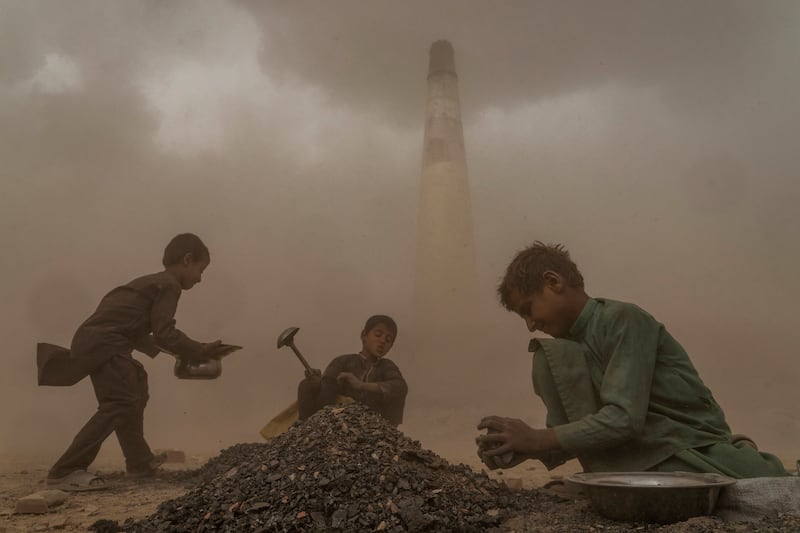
(182,244)
(376,320)
(524,273)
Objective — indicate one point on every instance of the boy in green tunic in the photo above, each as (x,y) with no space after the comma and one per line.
(621,393)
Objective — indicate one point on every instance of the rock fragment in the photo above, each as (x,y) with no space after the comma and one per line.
(31,504)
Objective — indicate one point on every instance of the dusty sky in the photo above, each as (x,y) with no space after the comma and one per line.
(657,140)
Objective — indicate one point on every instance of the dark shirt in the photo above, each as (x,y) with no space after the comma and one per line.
(127,316)
(390,401)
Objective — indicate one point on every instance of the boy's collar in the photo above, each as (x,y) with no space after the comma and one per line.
(171,274)
(578,328)
(365,358)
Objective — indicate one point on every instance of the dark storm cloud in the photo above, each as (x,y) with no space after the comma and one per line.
(371,53)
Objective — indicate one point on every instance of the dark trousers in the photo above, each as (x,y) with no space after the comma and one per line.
(120,386)
(308,401)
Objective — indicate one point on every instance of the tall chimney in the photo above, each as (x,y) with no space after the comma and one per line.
(446,276)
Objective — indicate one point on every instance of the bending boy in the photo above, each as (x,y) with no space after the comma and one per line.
(136,316)
(621,393)
(368,376)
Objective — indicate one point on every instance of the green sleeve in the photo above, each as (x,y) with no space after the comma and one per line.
(629,344)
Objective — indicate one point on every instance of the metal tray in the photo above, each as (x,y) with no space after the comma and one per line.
(661,497)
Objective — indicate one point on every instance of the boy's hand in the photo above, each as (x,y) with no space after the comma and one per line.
(348,378)
(513,435)
(208,349)
(217,350)
(507,460)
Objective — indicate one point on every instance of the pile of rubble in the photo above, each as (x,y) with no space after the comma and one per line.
(227,459)
(344,469)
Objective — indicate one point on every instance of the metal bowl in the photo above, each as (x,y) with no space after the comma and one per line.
(204,369)
(661,497)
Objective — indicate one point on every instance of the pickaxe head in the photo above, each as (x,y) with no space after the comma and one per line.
(286,338)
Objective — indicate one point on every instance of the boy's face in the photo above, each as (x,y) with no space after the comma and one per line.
(190,272)
(546,310)
(377,342)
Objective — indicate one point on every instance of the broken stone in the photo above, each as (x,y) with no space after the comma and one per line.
(172,456)
(31,504)
(318,518)
(513,482)
(257,506)
(53,497)
(338,517)
(105,526)
(59,522)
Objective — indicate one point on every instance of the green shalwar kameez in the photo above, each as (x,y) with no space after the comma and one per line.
(622,395)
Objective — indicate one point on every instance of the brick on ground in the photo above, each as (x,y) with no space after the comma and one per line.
(31,504)
(173,456)
(40,502)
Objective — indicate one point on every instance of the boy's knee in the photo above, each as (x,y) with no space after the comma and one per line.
(740,440)
(308,387)
(308,392)
(122,411)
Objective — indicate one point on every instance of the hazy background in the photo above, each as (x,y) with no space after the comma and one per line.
(657,140)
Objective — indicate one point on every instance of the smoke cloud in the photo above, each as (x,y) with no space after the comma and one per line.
(655,140)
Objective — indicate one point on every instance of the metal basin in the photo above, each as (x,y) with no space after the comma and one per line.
(205,369)
(661,497)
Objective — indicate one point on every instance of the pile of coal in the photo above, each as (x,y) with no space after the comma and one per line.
(227,459)
(344,469)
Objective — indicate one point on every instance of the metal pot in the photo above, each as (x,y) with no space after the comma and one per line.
(202,369)
(661,497)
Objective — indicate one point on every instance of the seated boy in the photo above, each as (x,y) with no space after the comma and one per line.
(621,393)
(102,349)
(368,377)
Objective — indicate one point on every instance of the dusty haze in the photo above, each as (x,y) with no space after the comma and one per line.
(656,140)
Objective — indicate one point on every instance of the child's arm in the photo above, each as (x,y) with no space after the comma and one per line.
(515,436)
(147,345)
(391,386)
(162,323)
(630,347)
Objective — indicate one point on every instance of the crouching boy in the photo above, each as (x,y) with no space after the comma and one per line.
(621,393)
(367,377)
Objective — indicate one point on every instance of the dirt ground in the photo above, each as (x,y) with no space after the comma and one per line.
(20,476)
